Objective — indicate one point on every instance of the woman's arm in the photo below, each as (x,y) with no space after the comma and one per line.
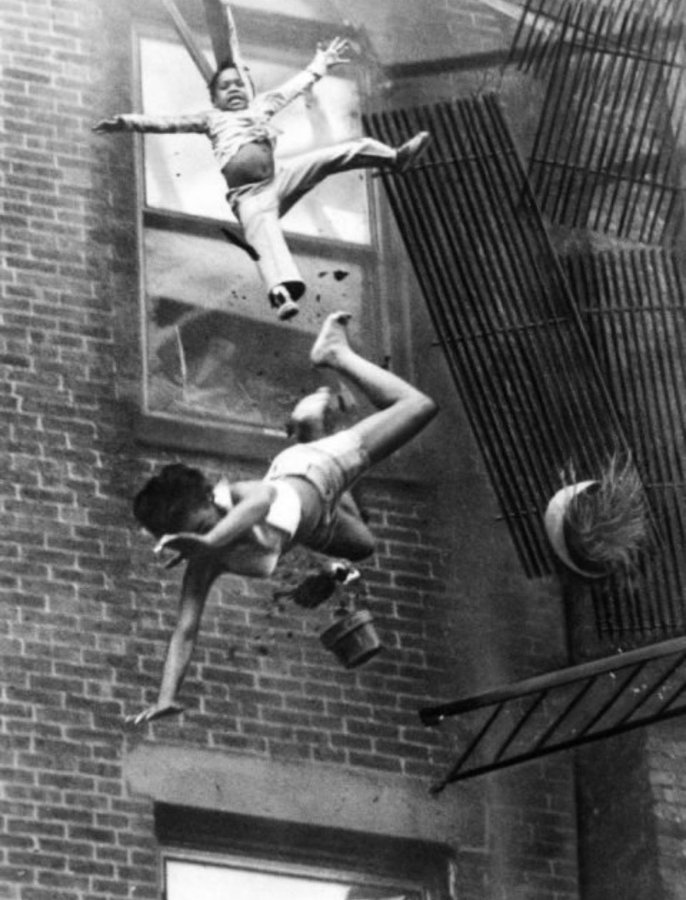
(197,581)
(254,499)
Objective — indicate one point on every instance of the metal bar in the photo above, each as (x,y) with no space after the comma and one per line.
(573,703)
(612,119)
(590,412)
(435,252)
(516,54)
(636,403)
(218,26)
(673,352)
(557,748)
(552,103)
(645,387)
(469,192)
(188,38)
(613,45)
(544,353)
(675,696)
(642,97)
(538,699)
(600,136)
(643,699)
(509,278)
(673,197)
(607,706)
(561,677)
(672,327)
(566,398)
(666,463)
(615,148)
(582,168)
(581,83)
(648,171)
(474,743)
(538,44)
(515,328)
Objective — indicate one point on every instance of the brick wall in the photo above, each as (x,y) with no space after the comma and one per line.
(666,780)
(86,610)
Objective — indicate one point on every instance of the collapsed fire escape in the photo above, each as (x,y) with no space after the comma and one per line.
(563,356)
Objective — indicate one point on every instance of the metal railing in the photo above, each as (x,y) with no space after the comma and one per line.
(519,722)
(502,310)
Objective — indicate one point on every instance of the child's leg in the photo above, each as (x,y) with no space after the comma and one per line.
(300,175)
(403,410)
(257,212)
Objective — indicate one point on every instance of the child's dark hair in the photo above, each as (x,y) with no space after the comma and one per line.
(163,504)
(227,63)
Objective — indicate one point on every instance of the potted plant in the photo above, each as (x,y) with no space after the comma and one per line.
(352,638)
(597,526)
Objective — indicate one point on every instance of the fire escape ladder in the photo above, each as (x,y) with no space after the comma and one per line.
(564,709)
(502,310)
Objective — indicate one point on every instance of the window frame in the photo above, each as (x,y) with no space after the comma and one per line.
(156,428)
(239,841)
(269,866)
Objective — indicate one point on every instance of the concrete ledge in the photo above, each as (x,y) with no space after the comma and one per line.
(308,794)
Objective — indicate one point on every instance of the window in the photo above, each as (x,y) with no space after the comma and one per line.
(195,878)
(212,855)
(214,352)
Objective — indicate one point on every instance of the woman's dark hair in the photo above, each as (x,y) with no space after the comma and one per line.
(212,83)
(163,504)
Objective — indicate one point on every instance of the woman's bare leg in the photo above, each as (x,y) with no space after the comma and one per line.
(349,537)
(403,410)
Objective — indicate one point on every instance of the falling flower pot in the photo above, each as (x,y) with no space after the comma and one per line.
(560,536)
(352,639)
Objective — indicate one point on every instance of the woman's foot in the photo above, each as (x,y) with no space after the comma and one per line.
(333,338)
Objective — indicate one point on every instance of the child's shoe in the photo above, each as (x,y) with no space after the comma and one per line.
(341,570)
(283,303)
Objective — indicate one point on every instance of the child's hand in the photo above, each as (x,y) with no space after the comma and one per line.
(156,711)
(116,123)
(185,545)
(333,55)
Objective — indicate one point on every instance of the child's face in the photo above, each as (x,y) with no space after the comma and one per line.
(229,91)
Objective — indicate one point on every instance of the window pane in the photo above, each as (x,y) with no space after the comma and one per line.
(181,174)
(215,349)
(198,881)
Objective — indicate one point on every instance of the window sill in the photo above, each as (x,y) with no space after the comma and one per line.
(214,438)
(257,445)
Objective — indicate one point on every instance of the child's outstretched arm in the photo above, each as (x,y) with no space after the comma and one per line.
(330,55)
(326,57)
(194,123)
(197,581)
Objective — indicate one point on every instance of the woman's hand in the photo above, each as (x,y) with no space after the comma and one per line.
(156,711)
(185,545)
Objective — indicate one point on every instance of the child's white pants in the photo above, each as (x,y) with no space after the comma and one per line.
(259,207)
